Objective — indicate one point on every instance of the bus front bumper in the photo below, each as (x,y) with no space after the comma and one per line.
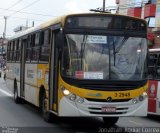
(90,108)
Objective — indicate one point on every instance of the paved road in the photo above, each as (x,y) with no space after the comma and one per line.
(25,118)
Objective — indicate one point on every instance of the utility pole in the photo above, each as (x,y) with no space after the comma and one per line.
(32,23)
(101,9)
(26,24)
(5,25)
(104,5)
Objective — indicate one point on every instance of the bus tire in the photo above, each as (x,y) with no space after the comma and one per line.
(17,99)
(110,121)
(45,114)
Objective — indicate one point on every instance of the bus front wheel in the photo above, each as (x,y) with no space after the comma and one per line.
(110,121)
(46,115)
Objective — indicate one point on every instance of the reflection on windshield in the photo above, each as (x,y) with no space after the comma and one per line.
(104,57)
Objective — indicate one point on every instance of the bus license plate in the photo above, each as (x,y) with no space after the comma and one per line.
(108,109)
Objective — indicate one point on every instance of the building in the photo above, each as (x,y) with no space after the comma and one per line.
(3,49)
(148,10)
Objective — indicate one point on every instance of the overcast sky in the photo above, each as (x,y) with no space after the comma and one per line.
(18,12)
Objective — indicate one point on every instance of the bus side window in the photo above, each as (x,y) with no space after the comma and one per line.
(28,49)
(33,36)
(14,50)
(37,39)
(152,66)
(29,41)
(17,50)
(35,54)
(8,51)
(12,58)
(45,41)
(28,54)
(9,46)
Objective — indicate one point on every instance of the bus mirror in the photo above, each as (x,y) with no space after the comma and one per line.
(158,71)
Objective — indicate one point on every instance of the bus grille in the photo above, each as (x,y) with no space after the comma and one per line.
(99,108)
(107,113)
(98,111)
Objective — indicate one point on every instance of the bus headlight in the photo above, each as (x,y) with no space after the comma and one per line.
(68,94)
(134,100)
(72,97)
(143,96)
(80,100)
(65,91)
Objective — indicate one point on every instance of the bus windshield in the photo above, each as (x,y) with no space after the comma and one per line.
(104,57)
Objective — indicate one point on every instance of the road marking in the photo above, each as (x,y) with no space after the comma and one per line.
(140,124)
(6,93)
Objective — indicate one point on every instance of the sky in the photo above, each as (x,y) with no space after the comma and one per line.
(24,12)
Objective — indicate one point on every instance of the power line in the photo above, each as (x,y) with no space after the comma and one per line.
(23,18)
(38,14)
(12,6)
(28,19)
(24,7)
(28,13)
(5,17)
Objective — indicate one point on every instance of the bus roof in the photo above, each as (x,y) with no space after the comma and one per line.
(61,20)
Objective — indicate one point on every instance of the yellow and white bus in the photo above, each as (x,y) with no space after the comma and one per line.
(91,65)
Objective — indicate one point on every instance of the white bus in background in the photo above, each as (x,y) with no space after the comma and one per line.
(154,82)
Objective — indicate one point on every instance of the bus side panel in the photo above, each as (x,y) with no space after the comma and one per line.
(158,99)
(10,77)
(42,78)
(152,94)
(31,87)
(36,75)
(42,75)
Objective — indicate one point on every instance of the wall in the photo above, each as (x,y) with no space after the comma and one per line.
(123,7)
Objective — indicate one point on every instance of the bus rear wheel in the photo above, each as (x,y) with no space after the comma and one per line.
(110,121)
(45,114)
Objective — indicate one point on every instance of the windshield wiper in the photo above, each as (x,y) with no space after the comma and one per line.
(83,48)
(121,44)
(116,50)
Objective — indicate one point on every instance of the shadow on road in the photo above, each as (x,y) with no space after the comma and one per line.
(154,117)
(86,125)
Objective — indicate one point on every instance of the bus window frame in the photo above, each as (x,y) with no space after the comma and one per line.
(155,75)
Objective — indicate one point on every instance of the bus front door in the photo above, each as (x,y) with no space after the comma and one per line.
(53,75)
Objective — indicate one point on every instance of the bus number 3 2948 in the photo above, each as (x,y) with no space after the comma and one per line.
(121,94)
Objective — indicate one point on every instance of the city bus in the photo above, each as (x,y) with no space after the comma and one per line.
(81,65)
(154,82)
